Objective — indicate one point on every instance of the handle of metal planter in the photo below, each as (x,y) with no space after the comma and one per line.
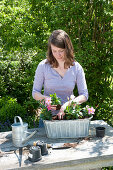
(21,122)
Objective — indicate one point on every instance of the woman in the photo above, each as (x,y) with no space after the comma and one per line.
(59,73)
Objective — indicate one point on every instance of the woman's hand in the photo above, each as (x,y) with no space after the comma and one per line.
(53,107)
(61,114)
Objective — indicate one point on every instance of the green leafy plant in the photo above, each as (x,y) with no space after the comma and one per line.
(47,106)
(55,100)
(45,114)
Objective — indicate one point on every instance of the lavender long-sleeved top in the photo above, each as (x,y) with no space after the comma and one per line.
(48,77)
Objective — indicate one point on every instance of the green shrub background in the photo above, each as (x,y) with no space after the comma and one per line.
(25,29)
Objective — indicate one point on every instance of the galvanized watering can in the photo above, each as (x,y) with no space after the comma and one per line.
(20,133)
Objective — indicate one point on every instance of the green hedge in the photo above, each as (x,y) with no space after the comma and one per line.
(25,28)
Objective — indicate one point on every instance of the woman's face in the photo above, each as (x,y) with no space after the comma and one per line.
(58,53)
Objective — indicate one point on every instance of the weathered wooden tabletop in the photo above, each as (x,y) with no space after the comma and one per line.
(89,153)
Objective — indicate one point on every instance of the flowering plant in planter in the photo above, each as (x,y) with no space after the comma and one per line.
(75,111)
(76,123)
(51,103)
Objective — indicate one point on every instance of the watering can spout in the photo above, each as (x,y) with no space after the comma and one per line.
(32,134)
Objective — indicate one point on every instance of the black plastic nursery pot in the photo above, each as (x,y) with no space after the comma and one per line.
(100,132)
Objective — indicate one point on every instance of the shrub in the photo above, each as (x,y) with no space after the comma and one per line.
(30,106)
(5,126)
(10,109)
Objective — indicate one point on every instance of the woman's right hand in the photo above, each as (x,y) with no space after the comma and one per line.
(61,114)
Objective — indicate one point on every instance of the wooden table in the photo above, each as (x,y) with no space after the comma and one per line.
(90,152)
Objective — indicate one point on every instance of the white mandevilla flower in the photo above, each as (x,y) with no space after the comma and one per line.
(74,107)
(77,103)
(80,113)
(84,108)
(72,97)
(68,98)
(87,106)
(73,111)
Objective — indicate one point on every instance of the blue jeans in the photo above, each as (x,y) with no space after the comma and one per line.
(41,124)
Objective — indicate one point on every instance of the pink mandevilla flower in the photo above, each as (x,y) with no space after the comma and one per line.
(49,107)
(48,101)
(91,110)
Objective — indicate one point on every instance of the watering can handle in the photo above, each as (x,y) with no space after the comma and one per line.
(21,122)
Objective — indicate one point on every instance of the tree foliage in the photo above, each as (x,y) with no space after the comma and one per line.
(25,28)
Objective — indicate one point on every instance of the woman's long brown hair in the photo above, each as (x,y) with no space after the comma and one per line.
(60,39)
